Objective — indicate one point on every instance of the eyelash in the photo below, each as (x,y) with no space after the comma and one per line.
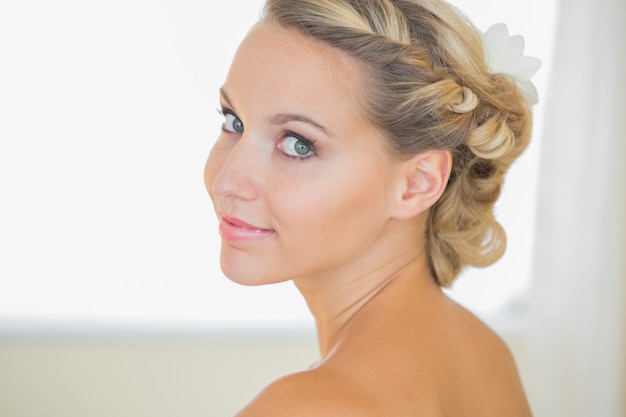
(224,112)
(309,142)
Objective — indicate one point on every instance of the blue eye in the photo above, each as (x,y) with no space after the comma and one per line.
(232,123)
(296,147)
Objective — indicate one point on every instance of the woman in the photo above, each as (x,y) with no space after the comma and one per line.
(363,147)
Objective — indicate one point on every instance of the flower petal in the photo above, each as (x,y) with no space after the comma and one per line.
(505,55)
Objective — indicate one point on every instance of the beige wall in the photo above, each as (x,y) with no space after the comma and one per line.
(211,376)
(181,377)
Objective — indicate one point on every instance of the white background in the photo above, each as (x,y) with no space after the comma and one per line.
(107,112)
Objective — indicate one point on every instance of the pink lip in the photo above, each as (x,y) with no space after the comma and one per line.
(236,230)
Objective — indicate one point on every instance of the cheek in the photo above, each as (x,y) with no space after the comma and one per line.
(329,211)
(334,232)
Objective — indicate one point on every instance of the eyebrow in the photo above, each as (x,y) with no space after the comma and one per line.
(282,118)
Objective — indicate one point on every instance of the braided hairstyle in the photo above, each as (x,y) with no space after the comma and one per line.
(428,87)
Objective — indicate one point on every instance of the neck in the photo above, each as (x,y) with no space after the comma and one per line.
(336,297)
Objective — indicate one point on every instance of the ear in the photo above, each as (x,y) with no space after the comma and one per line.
(421,181)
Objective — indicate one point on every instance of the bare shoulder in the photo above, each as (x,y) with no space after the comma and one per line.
(486,357)
(449,363)
(486,342)
(313,393)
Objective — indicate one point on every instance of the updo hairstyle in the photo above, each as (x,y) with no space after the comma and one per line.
(428,87)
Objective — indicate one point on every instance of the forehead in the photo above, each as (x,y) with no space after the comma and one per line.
(273,60)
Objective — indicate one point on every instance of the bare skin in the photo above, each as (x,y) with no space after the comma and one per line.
(391,342)
(408,351)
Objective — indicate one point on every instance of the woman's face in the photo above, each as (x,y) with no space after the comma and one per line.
(299,179)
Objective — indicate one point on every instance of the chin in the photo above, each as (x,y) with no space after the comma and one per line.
(246,274)
(248,280)
(252,268)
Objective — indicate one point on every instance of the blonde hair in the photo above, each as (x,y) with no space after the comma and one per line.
(428,87)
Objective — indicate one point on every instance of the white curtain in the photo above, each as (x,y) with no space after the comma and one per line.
(577,338)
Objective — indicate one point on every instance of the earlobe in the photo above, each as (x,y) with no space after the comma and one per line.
(423,180)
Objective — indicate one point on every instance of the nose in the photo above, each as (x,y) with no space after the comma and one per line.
(229,170)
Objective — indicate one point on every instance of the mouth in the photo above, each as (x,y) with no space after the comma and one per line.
(236,230)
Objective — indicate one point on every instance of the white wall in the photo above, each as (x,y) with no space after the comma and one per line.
(107,114)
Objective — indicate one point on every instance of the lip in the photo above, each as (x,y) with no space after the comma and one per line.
(236,230)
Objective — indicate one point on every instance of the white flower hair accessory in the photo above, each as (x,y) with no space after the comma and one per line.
(505,55)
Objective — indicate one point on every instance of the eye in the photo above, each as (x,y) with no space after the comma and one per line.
(296,147)
(232,123)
